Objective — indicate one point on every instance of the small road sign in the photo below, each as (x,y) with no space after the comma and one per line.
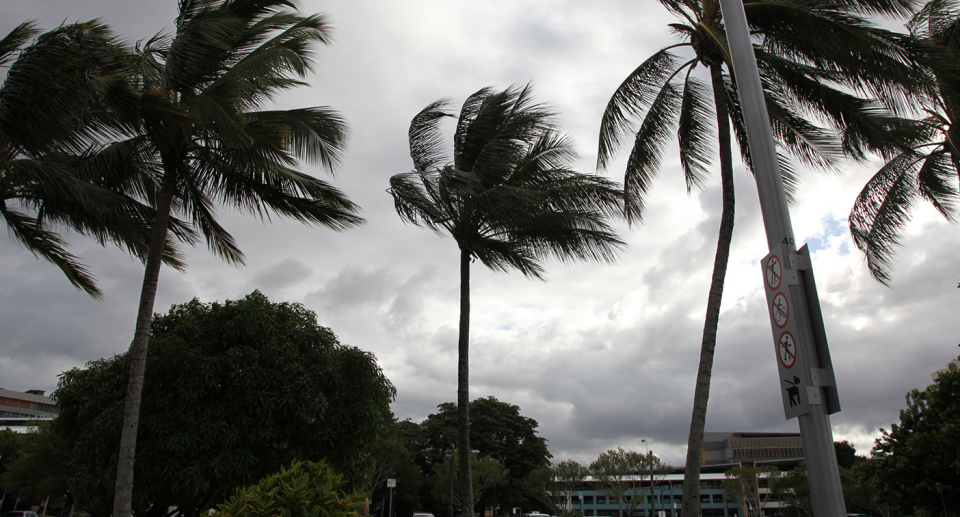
(391,483)
(773,272)
(787,350)
(780,310)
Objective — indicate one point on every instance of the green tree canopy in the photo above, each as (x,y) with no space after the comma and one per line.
(621,475)
(920,454)
(234,390)
(500,431)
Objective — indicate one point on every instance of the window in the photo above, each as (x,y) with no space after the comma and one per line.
(704,498)
(718,498)
(588,499)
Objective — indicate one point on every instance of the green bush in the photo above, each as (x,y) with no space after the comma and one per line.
(305,489)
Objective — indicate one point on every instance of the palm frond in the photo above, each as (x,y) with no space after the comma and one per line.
(881,211)
(48,245)
(15,39)
(630,99)
(426,140)
(645,159)
(695,132)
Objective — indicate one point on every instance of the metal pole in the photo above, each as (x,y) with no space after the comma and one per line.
(390,511)
(940,489)
(826,493)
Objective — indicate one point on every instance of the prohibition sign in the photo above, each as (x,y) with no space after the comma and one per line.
(787,350)
(780,310)
(773,272)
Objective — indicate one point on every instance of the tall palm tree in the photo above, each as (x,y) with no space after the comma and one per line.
(816,88)
(54,171)
(928,170)
(198,98)
(508,198)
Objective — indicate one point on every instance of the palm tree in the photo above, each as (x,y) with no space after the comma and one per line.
(197,100)
(508,198)
(816,88)
(54,172)
(927,171)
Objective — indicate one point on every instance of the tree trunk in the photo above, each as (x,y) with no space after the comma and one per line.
(123,490)
(463,389)
(691,473)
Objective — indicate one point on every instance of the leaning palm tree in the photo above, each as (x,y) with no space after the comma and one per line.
(927,171)
(839,83)
(54,171)
(198,98)
(508,198)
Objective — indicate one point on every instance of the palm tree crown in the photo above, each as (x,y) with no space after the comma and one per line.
(508,197)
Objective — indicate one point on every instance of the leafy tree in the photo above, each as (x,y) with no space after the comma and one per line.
(487,474)
(11,444)
(921,451)
(390,457)
(743,485)
(508,198)
(54,171)
(305,489)
(41,467)
(500,431)
(497,429)
(197,100)
(926,171)
(813,114)
(234,391)
(621,476)
(559,482)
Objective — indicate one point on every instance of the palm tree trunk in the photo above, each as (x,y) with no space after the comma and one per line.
(691,473)
(463,389)
(123,490)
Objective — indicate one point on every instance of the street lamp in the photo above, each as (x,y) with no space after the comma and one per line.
(451,454)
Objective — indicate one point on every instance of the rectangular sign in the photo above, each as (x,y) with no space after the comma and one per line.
(781,284)
(391,483)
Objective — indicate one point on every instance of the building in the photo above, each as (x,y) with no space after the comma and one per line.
(739,448)
(21,410)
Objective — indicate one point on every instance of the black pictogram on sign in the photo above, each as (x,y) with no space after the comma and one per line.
(787,350)
(773,272)
(780,310)
(793,392)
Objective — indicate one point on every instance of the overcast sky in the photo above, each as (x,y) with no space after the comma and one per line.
(601,355)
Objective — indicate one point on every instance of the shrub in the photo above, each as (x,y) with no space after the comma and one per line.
(305,489)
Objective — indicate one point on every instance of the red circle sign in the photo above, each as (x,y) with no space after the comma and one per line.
(780,310)
(787,350)
(773,272)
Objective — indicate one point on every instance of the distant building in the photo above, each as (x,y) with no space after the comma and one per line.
(21,410)
(737,448)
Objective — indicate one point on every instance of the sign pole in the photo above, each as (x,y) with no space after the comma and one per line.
(808,387)
(391,483)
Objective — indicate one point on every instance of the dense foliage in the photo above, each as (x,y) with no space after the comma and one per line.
(304,489)
(920,455)
(234,391)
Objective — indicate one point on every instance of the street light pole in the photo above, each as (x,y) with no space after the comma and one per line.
(808,386)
